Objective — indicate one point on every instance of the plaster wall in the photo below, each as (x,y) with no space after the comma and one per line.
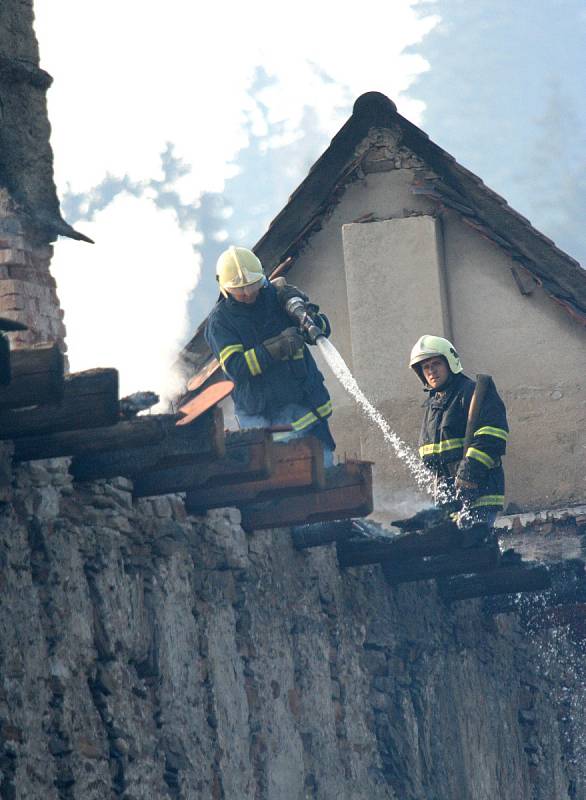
(320,271)
(536,353)
(395,273)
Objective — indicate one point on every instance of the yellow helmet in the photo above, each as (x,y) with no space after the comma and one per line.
(428,347)
(237,267)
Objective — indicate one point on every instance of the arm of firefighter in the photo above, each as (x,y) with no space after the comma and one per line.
(240,364)
(489,440)
(237,362)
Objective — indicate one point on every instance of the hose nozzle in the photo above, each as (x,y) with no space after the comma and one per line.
(297,310)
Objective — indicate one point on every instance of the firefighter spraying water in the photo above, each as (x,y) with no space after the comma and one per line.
(276,380)
(278,383)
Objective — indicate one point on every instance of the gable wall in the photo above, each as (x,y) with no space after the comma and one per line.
(536,353)
(533,348)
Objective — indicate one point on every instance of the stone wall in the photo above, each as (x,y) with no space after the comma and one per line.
(144,654)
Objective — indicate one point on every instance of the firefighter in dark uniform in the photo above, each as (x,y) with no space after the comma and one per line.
(276,379)
(473,481)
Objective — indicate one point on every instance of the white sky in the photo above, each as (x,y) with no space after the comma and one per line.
(132,75)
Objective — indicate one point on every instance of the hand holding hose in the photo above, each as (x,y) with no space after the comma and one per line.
(285,345)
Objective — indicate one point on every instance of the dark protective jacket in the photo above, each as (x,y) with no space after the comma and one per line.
(235,333)
(442,438)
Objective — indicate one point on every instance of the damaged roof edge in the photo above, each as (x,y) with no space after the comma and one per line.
(375,110)
(371,110)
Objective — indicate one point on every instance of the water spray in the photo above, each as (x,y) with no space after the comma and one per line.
(424,477)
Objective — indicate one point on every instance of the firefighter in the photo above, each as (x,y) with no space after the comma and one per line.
(276,379)
(473,481)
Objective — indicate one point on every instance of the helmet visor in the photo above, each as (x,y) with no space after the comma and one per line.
(423,357)
(244,278)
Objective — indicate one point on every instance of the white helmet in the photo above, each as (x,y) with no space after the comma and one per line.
(428,347)
(237,267)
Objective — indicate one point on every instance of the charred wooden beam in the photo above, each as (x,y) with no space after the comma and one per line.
(568,587)
(317,534)
(6,472)
(248,456)
(296,464)
(347,493)
(140,432)
(203,439)
(37,377)
(90,400)
(435,541)
(504,580)
(477,559)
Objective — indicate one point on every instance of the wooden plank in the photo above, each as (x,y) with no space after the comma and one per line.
(204,439)
(206,399)
(318,534)
(504,580)
(90,400)
(248,456)
(142,431)
(5,368)
(435,541)
(296,464)
(38,377)
(568,587)
(347,493)
(460,562)
(87,442)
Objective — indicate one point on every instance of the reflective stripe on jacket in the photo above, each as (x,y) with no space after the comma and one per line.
(235,333)
(442,439)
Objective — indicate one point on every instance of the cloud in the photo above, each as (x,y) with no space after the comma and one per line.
(124,297)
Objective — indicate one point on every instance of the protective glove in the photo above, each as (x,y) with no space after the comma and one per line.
(285,291)
(285,345)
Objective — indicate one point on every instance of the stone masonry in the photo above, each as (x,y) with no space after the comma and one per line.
(28,291)
(146,654)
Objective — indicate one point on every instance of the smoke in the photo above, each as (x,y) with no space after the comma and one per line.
(507,102)
(393,505)
(124,297)
(189,75)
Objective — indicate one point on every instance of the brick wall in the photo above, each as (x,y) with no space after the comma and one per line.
(27,289)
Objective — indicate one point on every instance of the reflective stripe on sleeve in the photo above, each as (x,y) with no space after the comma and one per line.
(489,500)
(228,351)
(478,455)
(440,447)
(252,361)
(308,419)
(325,410)
(487,430)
